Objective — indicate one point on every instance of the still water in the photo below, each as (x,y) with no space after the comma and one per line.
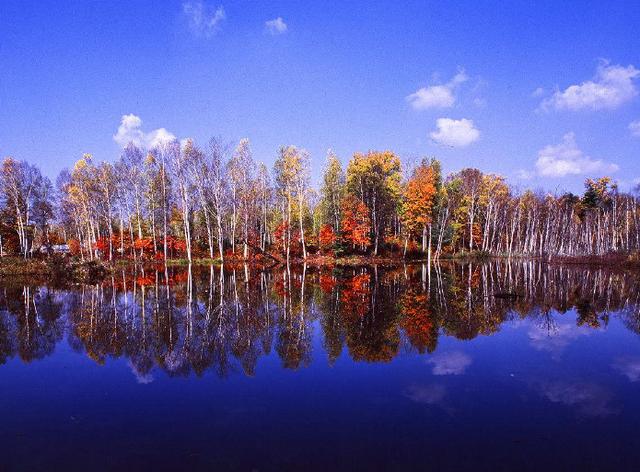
(493,366)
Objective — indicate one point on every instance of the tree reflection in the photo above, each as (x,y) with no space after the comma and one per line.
(189,321)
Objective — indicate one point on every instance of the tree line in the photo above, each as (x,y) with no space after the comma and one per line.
(181,200)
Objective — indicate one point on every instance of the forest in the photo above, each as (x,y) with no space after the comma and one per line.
(184,201)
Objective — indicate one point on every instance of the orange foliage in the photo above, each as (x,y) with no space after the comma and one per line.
(146,280)
(418,322)
(326,238)
(74,247)
(327,283)
(145,244)
(280,235)
(356,225)
(420,193)
(356,295)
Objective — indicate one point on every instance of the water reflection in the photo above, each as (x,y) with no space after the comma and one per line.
(589,399)
(450,363)
(190,320)
(629,367)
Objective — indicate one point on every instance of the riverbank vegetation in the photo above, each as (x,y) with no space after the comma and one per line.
(183,201)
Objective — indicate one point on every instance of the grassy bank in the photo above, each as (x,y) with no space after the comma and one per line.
(58,268)
(65,269)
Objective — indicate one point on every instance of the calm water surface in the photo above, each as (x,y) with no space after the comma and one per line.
(491,366)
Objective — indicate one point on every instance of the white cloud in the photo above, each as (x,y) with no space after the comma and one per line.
(450,363)
(566,158)
(539,92)
(480,102)
(634,127)
(130,131)
(183,142)
(276,26)
(437,96)
(612,86)
(159,136)
(203,20)
(523,174)
(455,133)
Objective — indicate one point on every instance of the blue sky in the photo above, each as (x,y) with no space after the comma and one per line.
(544,93)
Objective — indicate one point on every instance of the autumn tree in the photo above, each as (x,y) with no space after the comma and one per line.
(163,189)
(291,175)
(375,178)
(241,172)
(107,189)
(326,238)
(264,197)
(218,188)
(419,198)
(25,190)
(355,226)
(180,163)
(332,191)
(131,172)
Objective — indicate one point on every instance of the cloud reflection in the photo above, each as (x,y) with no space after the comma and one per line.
(449,363)
(588,399)
(629,367)
(426,394)
(555,340)
(141,377)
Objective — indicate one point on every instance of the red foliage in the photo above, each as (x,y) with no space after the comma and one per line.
(418,322)
(356,226)
(326,238)
(356,296)
(146,244)
(176,245)
(146,281)
(102,244)
(74,247)
(280,236)
(327,283)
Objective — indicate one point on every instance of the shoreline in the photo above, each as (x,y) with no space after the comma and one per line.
(69,269)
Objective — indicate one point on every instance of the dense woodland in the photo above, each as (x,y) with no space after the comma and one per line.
(186,201)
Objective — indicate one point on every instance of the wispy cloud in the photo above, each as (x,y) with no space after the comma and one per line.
(587,398)
(437,96)
(557,339)
(524,174)
(629,367)
(480,102)
(539,92)
(426,394)
(276,26)
(565,158)
(455,133)
(612,86)
(204,20)
(450,363)
(634,127)
(130,131)
(143,378)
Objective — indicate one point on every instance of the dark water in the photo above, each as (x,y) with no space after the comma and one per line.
(471,367)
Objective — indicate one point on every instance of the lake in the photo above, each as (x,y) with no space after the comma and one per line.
(485,366)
